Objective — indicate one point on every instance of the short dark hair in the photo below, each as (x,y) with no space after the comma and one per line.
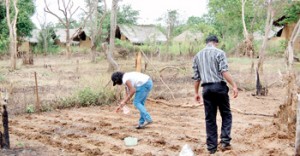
(117,77)
(212,38)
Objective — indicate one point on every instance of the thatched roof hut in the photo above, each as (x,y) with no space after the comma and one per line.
(188,36)
(140,34)
(78,36)
(285,31)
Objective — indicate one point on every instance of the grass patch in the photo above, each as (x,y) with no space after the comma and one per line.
(87,97)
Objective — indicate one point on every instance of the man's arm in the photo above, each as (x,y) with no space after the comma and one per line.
(197,96)
(197,79)
(132,91)
(228,78)
(129,94)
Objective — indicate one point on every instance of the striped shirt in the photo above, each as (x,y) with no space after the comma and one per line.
(209,64)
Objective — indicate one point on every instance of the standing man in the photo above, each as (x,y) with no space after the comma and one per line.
(211,70)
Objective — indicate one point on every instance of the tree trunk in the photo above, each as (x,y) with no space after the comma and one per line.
(45,44)
(297,138)
(68,42)
(268,26)
(248,43)
(5,122)
(113,66)
(97,29)
(287,114)
(12,33)
(93,51)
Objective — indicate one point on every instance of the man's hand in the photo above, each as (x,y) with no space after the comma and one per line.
(235,92)
(121,105)
(198,98)
(118,108)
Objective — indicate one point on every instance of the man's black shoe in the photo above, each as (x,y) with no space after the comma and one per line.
(212,151)
(225,146)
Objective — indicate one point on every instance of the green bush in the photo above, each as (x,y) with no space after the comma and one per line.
(3,45)
(2,78)
(30,109)
(276,47)
(87,97)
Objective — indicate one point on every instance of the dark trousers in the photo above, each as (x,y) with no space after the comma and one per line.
(215,95)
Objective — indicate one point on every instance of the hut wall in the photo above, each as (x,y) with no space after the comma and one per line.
(85,44)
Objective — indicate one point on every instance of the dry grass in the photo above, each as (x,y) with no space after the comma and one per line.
(66,77)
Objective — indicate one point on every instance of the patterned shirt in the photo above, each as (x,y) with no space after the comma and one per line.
(209,64)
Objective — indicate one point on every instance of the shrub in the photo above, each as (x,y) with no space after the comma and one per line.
(87,97)
(30,109)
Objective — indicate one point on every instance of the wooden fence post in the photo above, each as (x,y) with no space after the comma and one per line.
(38,105)
(138,62)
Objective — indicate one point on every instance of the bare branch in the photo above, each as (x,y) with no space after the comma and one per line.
(16,14)
(7,13)
(59,8)
(72,13)
(89,14)
(69,4)
(46,9)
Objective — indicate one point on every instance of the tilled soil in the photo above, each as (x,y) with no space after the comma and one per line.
(101,131)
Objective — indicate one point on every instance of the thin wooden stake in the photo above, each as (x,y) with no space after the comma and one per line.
(38,105)
(138,62)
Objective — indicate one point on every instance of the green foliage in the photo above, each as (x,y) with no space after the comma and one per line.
(2,78)
(291,13)
(195,20)
(276,48)
(46,36)
(30,109)
(87,97)
(125,44)
(24,23)
(226,16)
(3,44)
(126,15)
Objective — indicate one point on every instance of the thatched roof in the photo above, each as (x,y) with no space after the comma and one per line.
(188,36)
(277,22)
(273,33)
(142,33)
(75,34)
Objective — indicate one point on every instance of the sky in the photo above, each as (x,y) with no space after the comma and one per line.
(150,10)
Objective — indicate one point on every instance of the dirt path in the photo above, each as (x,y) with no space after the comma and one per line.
(100,131)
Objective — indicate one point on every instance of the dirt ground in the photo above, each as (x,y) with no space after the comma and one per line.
(98,130)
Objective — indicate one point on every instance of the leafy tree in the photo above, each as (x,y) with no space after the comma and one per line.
(127,15)
(193,20)
(291,13)
(24,23)
(226,15)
